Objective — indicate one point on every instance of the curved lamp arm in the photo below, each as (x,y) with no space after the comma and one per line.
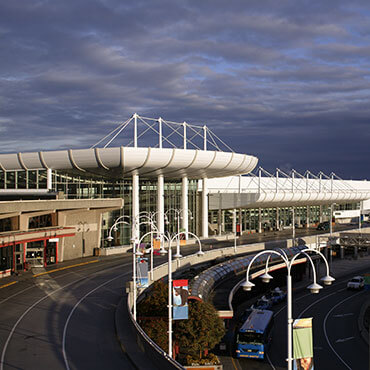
(248,285)
(113,226)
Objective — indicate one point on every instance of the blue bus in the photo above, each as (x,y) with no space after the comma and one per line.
(254,336)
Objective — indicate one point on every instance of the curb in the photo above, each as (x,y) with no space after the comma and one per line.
(118,324)
(360,321)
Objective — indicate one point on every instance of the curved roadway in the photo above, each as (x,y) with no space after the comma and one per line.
(337,340)
(65,320)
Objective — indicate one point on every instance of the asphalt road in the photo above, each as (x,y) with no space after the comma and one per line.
(335,311)
(337,340)
(64,320)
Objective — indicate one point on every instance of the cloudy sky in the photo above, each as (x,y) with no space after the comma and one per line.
(287,81)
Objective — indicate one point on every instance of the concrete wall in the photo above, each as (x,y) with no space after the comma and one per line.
(88,231)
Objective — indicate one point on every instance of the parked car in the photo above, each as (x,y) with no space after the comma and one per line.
(324,226)
(357,282)
(277,295)
(262,304)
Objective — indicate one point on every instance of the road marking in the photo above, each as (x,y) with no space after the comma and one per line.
(64,339)
(344,314)
(269,361)
(64,268)
(233,362)
(2,359)
(326,334)
(343,340)
(5,285)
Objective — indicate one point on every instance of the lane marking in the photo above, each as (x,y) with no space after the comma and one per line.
(34,286)
(325,332)
(9,284)
(343,340)
(344,315)
(74,309)
(2,360)
(65,267)
(269,361)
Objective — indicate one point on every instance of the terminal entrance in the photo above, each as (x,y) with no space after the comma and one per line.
(41,253)
(50,252)
(35,254)
(18,258)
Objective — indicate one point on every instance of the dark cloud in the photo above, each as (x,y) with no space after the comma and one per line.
(286,81)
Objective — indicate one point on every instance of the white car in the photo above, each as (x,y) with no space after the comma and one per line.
(357,282)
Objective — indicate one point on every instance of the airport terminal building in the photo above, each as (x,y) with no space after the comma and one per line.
(59,205)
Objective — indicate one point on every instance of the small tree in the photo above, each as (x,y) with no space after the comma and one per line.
(195,336)
(157,330)
(202,331)
(155,304)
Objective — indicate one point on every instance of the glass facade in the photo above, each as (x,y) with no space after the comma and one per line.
(72,186)
(77,186)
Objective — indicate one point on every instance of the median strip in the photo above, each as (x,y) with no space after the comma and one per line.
(64,268)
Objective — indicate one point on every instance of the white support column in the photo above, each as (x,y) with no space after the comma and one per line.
(49,183)
(307,216)
(205,208)
(219,222)
(259,220)
(240,221)
(259,180)
(277,181)
(184,125)
(160,204)
(234,221)
(307,177)
(205,138)
(135,207)
(184,206)
(277,219)
(219,216)
(331,183)
(135,130)
(160,132)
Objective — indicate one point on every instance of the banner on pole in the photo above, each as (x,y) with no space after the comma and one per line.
(367,281)
(180,294)
(156,244)
(302,344)
(182,239)
(142,272)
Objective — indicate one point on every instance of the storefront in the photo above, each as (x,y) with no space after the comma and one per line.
(20,251)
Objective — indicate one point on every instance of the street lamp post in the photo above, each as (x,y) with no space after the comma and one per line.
(151,233)
(169,264)
(331,218)
(178,213)
(114,228)
(314,287)
(293,229)
(359,219)
(331,232)
(83,227)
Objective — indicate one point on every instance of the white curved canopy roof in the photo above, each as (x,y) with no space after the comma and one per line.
(124,161)
(249,192)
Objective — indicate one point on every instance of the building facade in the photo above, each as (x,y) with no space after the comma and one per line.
(204,191)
